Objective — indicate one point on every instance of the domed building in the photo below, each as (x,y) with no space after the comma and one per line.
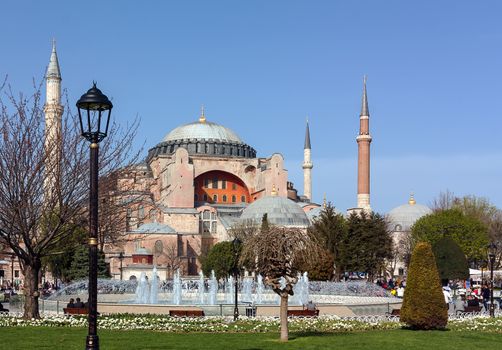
(401,219)
(196,183)
(281,211)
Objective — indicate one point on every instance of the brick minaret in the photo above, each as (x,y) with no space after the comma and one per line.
(363,164)
(53,112)
(307,165)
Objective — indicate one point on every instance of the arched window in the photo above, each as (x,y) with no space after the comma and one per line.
(234,199)
(153,215)
(243,199)
(141,212)
(224,198)
(398,228)
(224,184)
(215,198)
(205,197)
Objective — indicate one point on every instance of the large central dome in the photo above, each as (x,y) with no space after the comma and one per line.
(205,139)
(203,131)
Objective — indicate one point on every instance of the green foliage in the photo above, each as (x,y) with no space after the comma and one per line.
(450,260)
(221,258)
(330,228)
(368,244)
(467,231)
(423,304)
(79,268)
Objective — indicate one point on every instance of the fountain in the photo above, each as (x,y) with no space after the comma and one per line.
(213,289)
(247,288)
(177,288)
(200,288)
(230,291)
(143,290)
(259,289)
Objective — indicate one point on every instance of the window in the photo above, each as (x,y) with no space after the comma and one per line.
(243,199)
(400,271)
(206,183)
(207,222)
(234,199)
(224,184)
(16,273)
(153,215)
(224,198)
(215,182)
(234,187)
(196,197)
(398,227)
(215,198)
(205,197)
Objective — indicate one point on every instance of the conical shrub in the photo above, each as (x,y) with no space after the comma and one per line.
(424,306)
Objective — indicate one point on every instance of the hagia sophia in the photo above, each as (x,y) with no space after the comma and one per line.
(202,179)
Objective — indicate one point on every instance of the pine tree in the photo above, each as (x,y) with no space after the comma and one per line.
(80,265)
(423,304)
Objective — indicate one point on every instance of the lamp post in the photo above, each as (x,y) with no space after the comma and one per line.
(492,250)
(96,107)
(121,258)
(235,245)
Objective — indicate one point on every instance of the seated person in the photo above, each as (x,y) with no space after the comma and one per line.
(310,306)
(473,301)
(460,303)
(71,303)
(2,308)
(79,304)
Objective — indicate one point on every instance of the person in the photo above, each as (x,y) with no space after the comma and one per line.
(79,304)
(485,293)
(311,306)
(2,308)
(460,303)
(447,297)
(71,303)
(400,291)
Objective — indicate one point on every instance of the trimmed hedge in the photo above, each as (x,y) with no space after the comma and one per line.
(423,304)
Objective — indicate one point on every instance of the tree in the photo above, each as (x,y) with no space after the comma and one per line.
(423,303)
(44,182)
(331,230)
(450,260)
(276,254)
(368,244)
(222,259)
(468,232)
(320,266)
(79,268)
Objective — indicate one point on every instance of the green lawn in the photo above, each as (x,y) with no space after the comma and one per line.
(74,338)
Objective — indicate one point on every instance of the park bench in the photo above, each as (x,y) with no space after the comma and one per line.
(75,311)
(303,313)
(394,312)
(186,313)
(470,310)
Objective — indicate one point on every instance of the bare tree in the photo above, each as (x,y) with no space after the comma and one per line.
(277,253)
(37,214)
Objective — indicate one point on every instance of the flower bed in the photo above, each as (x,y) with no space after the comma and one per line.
(325,324)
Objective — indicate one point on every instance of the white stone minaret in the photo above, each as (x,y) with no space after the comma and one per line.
(307,165)
(53,113)
(363,146)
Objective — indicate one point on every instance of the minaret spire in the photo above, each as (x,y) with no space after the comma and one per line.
(307,165)
(363,145)
(53,112)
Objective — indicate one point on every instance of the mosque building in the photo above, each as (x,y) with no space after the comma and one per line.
(201,180)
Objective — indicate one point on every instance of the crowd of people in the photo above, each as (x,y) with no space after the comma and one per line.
(395,287)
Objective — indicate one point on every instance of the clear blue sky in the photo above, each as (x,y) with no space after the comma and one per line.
(260,67)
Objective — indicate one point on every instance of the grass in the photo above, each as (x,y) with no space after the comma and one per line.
(74,338)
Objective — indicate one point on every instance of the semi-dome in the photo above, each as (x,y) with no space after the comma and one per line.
(280,211)
(404,216)
(203,138)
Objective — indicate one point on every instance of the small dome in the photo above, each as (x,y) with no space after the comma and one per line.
(404,216)
(142,251)
(280,211)
(203,131)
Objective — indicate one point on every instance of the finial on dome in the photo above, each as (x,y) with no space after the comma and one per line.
(274,191)
(202,117)
(412,200)
(324,201)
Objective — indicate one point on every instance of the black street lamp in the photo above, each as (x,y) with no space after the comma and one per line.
(492,250)
(96,107)
(236,245)
(121,258)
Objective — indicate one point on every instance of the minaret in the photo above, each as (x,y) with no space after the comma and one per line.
(53,112)
(307,165)
(363,145)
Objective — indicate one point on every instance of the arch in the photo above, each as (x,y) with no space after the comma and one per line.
(228,186)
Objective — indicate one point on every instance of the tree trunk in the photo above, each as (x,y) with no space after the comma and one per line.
(284,317)
(31,293)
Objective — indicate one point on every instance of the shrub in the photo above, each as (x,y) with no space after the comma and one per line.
(423,304)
